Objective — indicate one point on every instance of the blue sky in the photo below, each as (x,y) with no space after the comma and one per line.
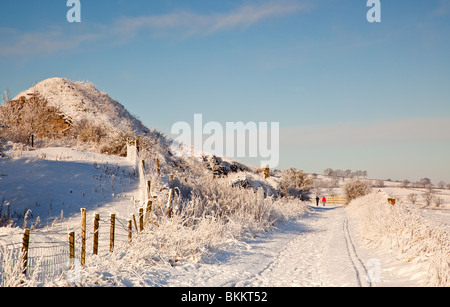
(348,94)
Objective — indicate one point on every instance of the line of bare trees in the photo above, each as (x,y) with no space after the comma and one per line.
(425,183)
(344,174)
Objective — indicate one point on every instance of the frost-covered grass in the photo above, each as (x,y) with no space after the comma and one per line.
(407,233)
(216,216)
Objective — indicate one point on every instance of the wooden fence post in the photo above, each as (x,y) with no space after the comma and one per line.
(71,249)
(135,224)
(83,237)
(169,203)
(130,230)
(148,189)
(112,233)
(96,222)
(25,246)
(141,219)
(266,172)
(147,211)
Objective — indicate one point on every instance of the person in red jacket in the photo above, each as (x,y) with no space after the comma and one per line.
(324,201)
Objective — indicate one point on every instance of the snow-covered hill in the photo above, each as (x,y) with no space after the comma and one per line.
(83,101)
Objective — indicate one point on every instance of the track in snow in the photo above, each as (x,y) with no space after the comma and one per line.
(358,265)
(317,250)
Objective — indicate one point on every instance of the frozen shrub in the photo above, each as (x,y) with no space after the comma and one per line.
(428,198)
(295,183)
(412,198)
(87,132)
(438,201)
(356,188)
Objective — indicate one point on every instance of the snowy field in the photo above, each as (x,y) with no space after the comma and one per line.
(439,214)
(324,247)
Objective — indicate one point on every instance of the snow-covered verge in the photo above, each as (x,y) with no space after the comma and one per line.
(198,230)
(404,231)
(212,217)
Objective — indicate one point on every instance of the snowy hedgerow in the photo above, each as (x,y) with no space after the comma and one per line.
(403,229)
(356,188)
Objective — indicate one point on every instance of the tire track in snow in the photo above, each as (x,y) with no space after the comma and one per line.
(358,265)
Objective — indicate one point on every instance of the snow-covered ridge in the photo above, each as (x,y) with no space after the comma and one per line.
(83,101)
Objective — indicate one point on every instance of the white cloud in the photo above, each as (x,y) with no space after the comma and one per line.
(189,23)
(184,23)
(13,42)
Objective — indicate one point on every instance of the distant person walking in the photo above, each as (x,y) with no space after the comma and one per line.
(317,201)
(324,201)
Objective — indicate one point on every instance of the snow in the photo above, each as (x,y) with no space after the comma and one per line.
(322,248)
(54,184)
(309,252)
(52,180)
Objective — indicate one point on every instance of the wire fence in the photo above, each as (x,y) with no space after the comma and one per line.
(46,255)
(47,260)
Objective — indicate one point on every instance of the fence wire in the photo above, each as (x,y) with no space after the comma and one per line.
(49,260)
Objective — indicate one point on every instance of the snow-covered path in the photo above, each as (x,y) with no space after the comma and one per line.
(320,255)
(317,250)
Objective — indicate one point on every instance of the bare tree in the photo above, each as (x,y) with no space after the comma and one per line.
(438,201)
(441,185)
(5,97)
(405,183)
(412,198)
(328,172)
(425,181)
(428,198)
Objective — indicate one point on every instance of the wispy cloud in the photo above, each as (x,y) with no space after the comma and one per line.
(188,23)
(443,8)
(175,24)
(403,131)
(14,42)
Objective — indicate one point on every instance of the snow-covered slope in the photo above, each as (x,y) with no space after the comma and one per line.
(83,101)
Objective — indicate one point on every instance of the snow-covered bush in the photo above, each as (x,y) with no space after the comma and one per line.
(88,132)
(404,230)
(356,188)
(412,197)
(295,183)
